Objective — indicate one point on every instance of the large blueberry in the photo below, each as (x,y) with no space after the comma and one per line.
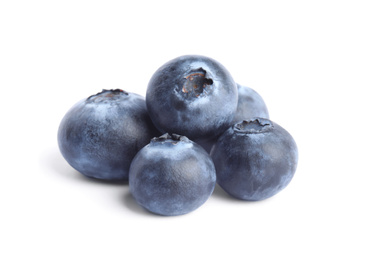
(100,135)
(172,175)
(193,96)
(250,104)
(255,159)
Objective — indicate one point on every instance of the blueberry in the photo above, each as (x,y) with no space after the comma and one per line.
(172,175)
(193,96)
(255,159)
(250,105)
(100,135)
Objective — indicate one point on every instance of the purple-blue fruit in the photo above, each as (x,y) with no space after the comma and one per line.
(172,175)
(255,159)
(100,135)
(250,105)
(192,95)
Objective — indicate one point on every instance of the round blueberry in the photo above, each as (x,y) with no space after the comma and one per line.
(250,105)
(172,175)
(193,96)
(100,135)
(255,159)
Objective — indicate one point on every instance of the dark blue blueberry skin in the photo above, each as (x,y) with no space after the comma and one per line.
(207,144)
(172,176)
(100,135)
(255,159)
(193,96)
(250,105)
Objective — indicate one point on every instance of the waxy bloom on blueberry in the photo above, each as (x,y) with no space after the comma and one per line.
(250,105)
(100,135)
(193,96)
(255,159)
(172,175)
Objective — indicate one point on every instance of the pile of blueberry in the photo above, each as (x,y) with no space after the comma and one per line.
(195,128)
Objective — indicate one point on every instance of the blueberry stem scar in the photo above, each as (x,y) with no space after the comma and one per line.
(253,126)
(196,82)
(109,93)
(170,138)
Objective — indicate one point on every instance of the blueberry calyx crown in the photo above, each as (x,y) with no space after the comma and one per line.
(195,82)
(253,126)
(107,93)
(170,138)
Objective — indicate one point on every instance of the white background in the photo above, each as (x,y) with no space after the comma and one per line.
(308,59)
